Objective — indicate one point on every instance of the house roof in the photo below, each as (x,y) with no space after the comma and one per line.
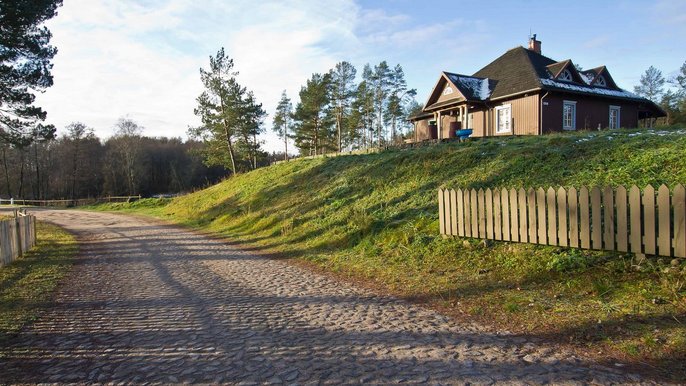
(521,70)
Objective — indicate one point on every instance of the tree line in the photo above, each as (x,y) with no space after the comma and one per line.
(668,92)
(78,164)
(334,113)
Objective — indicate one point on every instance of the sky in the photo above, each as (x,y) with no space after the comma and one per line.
(140,59)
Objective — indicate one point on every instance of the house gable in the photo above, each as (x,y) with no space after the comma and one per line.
(566,67)
(444,92)
(599,77)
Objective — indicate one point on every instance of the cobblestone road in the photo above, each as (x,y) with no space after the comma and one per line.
(155,303)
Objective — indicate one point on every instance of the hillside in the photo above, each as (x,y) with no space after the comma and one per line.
(373,218)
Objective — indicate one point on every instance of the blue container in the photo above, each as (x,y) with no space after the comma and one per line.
(464,133)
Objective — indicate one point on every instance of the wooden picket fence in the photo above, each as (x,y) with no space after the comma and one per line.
(17,235)
(608,219)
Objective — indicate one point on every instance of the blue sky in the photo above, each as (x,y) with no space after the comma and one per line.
(140,59)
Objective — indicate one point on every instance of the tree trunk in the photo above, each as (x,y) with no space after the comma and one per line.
(285,139)
(7,175)
(74,169)
(21,173)
(339,117)
(254,151)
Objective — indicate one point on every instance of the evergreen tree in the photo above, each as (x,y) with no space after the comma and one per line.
(381,80)
(651,85)
(25,55)
(282,120)
(250,120)
(231,118)
(342,92)
(399,95)
(311,116)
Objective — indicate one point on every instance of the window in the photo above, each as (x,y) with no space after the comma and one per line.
(569,115)
(614,117)
(600,81)
(565,75)
(503,119)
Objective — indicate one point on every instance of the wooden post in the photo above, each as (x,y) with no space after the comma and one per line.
(20,253)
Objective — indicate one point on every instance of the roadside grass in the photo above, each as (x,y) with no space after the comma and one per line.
(373,218)
(27,284)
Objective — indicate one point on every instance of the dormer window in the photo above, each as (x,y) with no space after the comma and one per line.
(600,81)
(565,75)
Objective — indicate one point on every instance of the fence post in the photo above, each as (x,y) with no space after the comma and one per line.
(17,234)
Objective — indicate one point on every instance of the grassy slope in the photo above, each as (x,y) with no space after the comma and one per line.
(27,284)
(374,217)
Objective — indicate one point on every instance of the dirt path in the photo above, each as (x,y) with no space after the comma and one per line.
(156,303)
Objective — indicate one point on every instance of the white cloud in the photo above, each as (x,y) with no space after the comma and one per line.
(141,59)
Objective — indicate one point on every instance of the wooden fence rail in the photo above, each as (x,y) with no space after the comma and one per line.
(69,203)
(17,235)
(649,221)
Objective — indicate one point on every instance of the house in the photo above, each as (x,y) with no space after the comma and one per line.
(525,93)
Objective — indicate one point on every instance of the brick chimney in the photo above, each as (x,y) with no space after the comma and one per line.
(534,45)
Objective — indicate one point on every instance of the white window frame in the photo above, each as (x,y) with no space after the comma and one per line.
(617,124)
(497,119)
(572,104)
(565,75)
(601,81)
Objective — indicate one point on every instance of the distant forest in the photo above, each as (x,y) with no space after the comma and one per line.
(78,164)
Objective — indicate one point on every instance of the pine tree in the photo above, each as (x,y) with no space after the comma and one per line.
(651,85)
(381,80)
(231,118)
(342,92)
(311,116)
(25,55)
(399,95)
(282,120)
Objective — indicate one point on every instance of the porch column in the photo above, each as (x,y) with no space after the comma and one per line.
(438,125)
(466,116)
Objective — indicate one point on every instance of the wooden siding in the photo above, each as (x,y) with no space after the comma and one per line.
(422,130)
(524,117)
(590,112)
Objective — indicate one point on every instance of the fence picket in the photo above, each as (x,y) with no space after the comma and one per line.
(441,211)
(482,213)
(514,216)
(497,215)
(531,206)
(679,204)
(474,215)
(584,219)
(540,211)
(562,210)
(523,224)
(664,238)
(636,236)
(453,212)
(467,214)
(489,213)
(608,219)
(596,220)
(460,213)
(649,220)
(504,195)
(552,220)
(572,200)
(622,222)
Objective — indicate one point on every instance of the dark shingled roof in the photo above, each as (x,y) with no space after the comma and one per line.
(516,71)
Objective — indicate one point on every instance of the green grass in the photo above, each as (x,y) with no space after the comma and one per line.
(27,284)
(374,218)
